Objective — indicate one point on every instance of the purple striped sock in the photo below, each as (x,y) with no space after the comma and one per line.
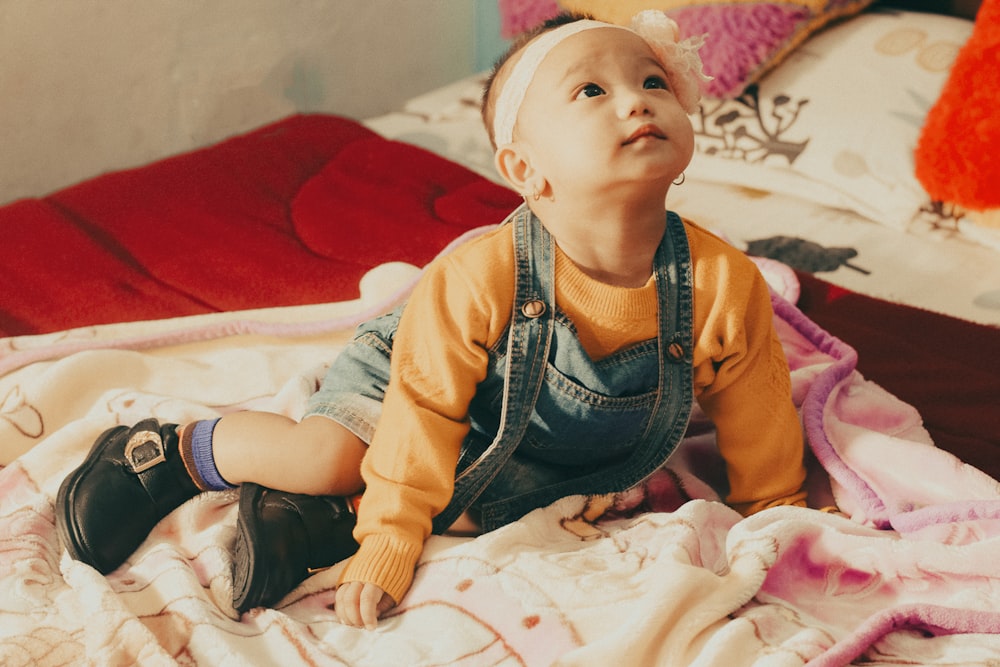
(204,461)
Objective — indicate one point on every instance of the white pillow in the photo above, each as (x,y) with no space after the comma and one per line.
(837,122)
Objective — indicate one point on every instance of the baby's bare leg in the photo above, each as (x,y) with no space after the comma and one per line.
(316,456)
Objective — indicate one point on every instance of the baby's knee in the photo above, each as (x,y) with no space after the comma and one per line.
(333,449)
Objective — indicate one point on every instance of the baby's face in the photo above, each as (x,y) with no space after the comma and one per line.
(599,113)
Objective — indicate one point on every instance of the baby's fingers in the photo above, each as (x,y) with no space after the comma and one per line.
(361,605)
(371,597)
(348,603)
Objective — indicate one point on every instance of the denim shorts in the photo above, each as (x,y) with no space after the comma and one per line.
(354,386)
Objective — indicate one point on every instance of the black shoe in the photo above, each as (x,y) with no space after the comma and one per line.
(130,480)
(281,538)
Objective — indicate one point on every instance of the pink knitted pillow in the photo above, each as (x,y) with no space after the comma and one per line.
(517,16)
(745,38)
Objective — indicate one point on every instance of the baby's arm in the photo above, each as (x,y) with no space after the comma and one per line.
(361,605)
(439,356)
(745,389)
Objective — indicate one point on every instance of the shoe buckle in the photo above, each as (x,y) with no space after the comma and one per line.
(144,450)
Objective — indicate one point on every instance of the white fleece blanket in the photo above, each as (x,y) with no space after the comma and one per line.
(662,575)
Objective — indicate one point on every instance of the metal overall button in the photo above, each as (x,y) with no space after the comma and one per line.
(676,351)
(533,309)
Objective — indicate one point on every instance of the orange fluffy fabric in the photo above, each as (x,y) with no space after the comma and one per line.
(958,155)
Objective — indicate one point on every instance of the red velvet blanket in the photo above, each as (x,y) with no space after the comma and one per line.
(289,214)
(296,212)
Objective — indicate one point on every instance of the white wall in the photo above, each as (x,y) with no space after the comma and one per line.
(89,86)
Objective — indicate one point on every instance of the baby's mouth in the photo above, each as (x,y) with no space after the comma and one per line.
(646,131)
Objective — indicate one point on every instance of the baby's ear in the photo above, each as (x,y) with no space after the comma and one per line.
(515,168)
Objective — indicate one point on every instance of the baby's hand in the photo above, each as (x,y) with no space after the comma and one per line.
(360,605)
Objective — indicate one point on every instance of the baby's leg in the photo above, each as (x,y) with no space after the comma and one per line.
(316,456)
(293,518)
(133,477)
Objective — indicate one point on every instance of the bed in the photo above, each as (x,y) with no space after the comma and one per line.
(229,278)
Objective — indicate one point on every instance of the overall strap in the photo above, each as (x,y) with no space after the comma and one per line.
(528,344)
(672,409)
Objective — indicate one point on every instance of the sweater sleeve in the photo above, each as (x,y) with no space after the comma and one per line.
(742,381)
(440,354)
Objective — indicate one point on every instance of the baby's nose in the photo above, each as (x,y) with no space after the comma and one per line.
(633,104)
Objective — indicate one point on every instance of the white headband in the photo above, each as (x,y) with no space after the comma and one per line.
(512,94)
(679,59)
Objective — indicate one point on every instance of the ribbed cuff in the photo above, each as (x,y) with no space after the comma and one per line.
(385,562)
(201,454)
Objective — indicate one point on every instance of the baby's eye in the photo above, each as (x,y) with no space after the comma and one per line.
(653,82)
(590,90)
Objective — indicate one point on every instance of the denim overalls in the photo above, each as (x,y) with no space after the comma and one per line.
(549,422)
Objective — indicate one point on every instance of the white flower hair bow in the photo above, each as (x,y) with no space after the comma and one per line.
(680,59)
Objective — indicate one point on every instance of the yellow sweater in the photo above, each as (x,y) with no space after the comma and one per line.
(462,306)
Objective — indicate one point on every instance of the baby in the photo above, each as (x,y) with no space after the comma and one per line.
(559,354)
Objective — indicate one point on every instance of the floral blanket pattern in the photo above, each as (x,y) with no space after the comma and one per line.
(663,574)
